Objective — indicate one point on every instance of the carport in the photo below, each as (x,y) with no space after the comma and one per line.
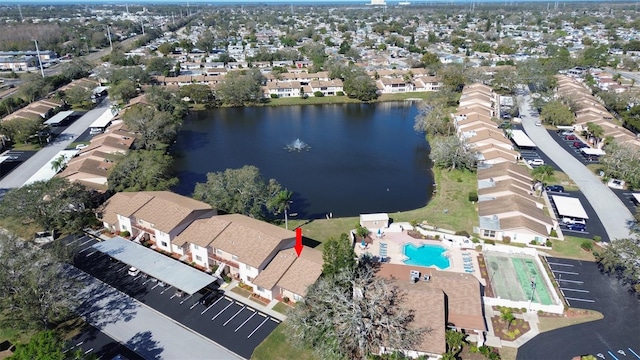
(569,207)
(591,151)
(521,139)
(170,271)
(57,119)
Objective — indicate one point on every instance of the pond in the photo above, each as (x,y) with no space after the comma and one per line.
(353,158)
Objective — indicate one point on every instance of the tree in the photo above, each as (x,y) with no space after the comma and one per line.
(46,345)
(338,256)
(507,316)
(433,120)
(59,163)
(157,128)
(159,65)
(361,87)
(622,162)
(51,204)
(142,170)
(198,93)
(455,340)
(20,130)
(34,87)
(453,77)
(281,204)
(35,292)
(451,152)
(622,258)
(240,88)
(556,113)
(353,314)
(77,96)
(166,48)
(76,69)
(239,191)
(123,91)
(596,131)
(542,173)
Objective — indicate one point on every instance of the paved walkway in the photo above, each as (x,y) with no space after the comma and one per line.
(147,332)
(613,214)
(267,309)
(492,340)
(44,156)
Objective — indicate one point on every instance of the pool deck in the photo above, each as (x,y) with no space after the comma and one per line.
(396,240)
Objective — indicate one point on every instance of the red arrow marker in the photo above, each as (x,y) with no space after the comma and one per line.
(298,246)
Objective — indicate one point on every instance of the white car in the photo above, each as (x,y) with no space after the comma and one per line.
(567,220)
(81,146)
(616,184)
(538,123)
(535,162)
(565,133)
(133,271)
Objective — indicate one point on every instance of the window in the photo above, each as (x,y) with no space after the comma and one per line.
(259,289)
(248,267)
(139,221)
(198,257)
(164,243)
(195,247)
(297,297)
(234,257)
(490,233)
(218,251)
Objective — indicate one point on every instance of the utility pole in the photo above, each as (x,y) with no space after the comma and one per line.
(142,24)
(20,10)
(39,61)
(109,35)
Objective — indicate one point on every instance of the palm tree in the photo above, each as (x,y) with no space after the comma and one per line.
(58,163)
(282,203)
(507,316)
(454,340)
(542,173)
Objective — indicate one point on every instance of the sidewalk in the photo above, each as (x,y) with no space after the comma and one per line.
(267,309)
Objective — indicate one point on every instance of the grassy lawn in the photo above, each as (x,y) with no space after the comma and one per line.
(570,248)
(548,323)
(26,147)
(508,353)
(295,100)
(275,346)
(449,208)
(282,308)
(25,231)
(563,179)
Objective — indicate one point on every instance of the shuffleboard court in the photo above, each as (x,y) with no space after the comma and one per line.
(511,277)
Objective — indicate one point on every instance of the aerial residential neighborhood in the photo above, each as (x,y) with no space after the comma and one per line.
(317,180)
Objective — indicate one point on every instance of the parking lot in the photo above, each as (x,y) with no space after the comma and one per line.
(15,158)
(593,224)
(232,324)
(615,337)
(94,342)
(569,145)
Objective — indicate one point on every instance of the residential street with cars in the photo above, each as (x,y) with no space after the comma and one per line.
(613,214)
(230,328)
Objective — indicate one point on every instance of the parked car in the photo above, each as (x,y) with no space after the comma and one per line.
(133,271)
(535,162)
(209,298)
(565,133)
(81,146)
(570,137)
(568,220)
(579,144)
(538,123)
(577,227)
(555,188)
(616,184)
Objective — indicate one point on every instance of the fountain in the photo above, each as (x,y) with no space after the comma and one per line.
(298,145)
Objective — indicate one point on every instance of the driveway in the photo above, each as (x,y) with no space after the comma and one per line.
(613,338)
(43,157)
(613,214)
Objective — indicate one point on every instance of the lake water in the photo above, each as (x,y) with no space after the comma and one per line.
(363,158)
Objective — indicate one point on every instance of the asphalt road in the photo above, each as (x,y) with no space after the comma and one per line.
(611,211)
(233,325)
(616,337)
(593,224)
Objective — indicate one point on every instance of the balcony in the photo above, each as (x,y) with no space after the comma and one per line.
(142,228)
(232,264)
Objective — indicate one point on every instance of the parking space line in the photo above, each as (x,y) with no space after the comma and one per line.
(275,321)
(613,356)
(234,315)
(259,326)
(221,311)
(584,300)
(165,289)
(185,299)
(559,264)
(246,321)
(634,353)
(564,272)
(88,351)
(90,240)
(91,253)
(155,286)
(210,306)
(194,305)
(85,249)
(70,243)
(576,290)
(571,281)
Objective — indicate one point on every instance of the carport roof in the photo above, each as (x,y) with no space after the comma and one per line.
(161,267)
(521,139)
(568,206)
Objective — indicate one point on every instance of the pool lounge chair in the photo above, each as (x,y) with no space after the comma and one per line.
(469,271)
(466,253)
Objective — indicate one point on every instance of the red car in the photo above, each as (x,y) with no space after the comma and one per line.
(570,137)
(579,145)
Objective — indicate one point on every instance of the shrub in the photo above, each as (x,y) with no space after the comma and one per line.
(274,96)
(473,196)
(459,179)
(506,239)
(462,233)
(437,237)
(549,243)
(523,310)
(533,242)
(597,238)
(285,299)
(125,233)
(587,245)
(490,242)
(318,94)
(540,312)
(475,240)
(553,233)
(340,93)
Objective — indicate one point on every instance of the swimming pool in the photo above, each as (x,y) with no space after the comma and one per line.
(426,255)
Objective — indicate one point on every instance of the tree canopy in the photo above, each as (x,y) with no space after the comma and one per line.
(622,258)
(352,315)
(337,255)
(241,87)
(142,170)
(156,128)
(52,204)
(239,191)
(556,113)
(451,152)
